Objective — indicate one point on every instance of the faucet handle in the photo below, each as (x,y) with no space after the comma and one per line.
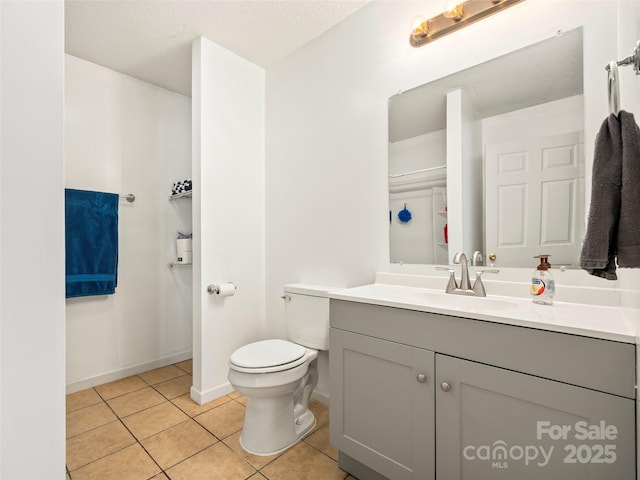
(452,285)
(478,286)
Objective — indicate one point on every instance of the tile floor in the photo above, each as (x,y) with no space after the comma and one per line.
(147,427)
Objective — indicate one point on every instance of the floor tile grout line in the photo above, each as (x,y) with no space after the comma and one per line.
(91,429)
(122,394)
(135,440)
(196,453)
(103,456)
(218,440)
(165,381)
(317,449)
(165,399)
(139,411)
(170,399)
(246,460)
(67,412)
(170,365)
(257,471)
(139,441)
(198,414)
(96,427)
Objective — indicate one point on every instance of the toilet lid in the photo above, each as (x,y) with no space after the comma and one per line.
(267,353)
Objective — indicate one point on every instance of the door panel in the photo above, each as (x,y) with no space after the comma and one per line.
(531,199)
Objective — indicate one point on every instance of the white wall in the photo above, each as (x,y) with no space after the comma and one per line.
(228,171)
(32,402)
(552,118)
(628,34)
(415,153)
(414,242)
(123,135)
(327,140)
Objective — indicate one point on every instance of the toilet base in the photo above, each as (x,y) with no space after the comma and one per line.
(274,423)
(276,429)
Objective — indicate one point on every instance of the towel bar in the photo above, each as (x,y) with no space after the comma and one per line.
(613,86)
(630,60)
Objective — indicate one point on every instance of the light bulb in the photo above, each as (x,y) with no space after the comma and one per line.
(419,27)
(453,10)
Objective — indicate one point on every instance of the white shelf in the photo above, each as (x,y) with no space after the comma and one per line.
(181,195)
(176,264)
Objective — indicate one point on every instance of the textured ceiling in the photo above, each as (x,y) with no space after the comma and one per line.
(151,39)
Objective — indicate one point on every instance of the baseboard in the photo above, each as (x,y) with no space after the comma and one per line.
(127,372)
(321,397)
(212,394)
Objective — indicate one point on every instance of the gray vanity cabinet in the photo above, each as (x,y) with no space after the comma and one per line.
(493,423)
(421,396)
(385,416)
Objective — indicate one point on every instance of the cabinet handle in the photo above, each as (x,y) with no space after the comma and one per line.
(422,378)
(445,387)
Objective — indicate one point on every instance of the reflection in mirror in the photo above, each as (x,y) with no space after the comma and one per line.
(491,159)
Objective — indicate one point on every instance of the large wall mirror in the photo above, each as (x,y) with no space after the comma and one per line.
(491,159)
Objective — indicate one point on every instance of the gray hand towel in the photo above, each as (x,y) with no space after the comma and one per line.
(629,226)
(613,228)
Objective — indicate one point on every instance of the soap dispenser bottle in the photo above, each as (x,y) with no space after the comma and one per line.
(543,287)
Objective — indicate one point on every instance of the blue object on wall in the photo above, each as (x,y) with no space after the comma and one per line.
(91,243)
(404,215)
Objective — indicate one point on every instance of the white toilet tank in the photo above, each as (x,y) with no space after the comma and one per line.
(307,314)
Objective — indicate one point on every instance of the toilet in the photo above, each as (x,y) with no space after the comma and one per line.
(278,376)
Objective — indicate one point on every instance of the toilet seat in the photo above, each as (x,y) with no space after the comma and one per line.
(267,356)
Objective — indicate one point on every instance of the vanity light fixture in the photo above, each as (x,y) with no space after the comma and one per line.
(457,14)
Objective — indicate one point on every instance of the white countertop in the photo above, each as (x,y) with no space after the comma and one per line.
(605,322)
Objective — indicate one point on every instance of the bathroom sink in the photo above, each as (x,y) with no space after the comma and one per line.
(427,296)
(462,302)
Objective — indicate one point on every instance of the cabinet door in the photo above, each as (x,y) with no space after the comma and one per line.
(493,423)
(382,405)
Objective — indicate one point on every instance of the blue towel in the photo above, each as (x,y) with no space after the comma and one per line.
(91,229)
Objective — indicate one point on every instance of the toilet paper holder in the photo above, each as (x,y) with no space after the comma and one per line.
(215,288)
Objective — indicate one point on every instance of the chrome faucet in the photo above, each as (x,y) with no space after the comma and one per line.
(464,288)
(461,258)
(477,258)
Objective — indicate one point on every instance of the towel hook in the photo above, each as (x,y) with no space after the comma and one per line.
(613,88)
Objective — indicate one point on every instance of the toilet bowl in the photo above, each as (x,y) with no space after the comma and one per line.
(278,376)
(278,396)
